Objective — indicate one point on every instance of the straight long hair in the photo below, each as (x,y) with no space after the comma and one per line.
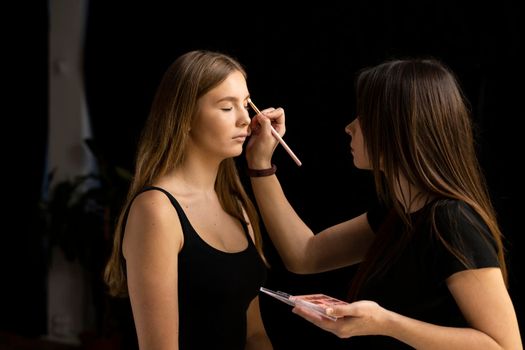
(416,123)
(163,143)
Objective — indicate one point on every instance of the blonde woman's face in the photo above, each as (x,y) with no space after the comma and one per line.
(221,125)
(357,145)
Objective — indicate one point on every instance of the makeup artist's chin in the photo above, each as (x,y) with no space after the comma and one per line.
(356,162)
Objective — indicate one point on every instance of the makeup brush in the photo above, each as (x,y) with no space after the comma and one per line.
(277,136)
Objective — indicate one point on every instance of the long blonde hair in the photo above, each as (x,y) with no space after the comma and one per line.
(163,143)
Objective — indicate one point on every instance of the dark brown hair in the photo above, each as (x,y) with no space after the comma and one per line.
(416,123)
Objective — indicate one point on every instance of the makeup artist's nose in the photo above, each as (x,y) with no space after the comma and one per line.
(348,129)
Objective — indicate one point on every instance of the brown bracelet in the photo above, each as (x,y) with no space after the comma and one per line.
(261,172)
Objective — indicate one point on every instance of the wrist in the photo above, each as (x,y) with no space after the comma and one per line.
(258,164)
(268,171)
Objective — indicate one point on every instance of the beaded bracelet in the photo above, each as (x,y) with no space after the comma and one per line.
(261,172)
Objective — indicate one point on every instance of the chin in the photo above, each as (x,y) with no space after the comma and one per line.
(358,165)
(235,153)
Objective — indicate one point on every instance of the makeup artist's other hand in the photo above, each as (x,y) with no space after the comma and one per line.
(362,317)
(262,143)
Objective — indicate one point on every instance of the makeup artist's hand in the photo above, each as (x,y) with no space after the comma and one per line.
(362,317)
(262,143)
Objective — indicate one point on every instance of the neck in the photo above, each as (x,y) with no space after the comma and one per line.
(411,198)
(195,176)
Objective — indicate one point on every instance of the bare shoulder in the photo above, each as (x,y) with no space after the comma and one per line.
(153,205)
(152,220)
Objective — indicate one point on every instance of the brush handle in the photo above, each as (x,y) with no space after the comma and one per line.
(278,137)
(288,149)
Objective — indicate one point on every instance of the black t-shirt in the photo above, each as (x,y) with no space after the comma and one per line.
(414,283)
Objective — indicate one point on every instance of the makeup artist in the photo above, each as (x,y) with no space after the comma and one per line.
(432,271)
(187,248)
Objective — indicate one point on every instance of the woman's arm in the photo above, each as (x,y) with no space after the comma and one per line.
(152,240)
(256,337)
(301,250)
(483,298)
(480,294)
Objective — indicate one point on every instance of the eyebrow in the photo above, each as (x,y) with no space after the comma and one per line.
(231,98)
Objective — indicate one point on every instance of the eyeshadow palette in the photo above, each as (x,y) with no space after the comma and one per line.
(316,302)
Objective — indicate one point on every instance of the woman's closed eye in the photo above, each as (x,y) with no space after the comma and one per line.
(228,109)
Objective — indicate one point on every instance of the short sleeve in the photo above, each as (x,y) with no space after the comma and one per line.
(462,229)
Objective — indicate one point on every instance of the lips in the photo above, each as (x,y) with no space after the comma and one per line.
(240,138)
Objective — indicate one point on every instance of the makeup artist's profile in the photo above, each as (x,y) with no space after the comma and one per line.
(187,250)
(432,271)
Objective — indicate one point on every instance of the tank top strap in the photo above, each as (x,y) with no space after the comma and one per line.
(182,216)
(246,231)
(180,212)
(172,199)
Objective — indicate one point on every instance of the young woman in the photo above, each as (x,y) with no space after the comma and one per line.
(187,246)
(432,271)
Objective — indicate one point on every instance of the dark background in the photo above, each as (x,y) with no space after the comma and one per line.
(304,59)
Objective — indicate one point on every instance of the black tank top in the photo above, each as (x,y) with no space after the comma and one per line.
(215,289)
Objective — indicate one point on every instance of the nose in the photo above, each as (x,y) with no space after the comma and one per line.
(348,129)
(243,117)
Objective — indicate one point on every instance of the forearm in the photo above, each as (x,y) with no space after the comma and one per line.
(288,232)
(422,335)
(258,342)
